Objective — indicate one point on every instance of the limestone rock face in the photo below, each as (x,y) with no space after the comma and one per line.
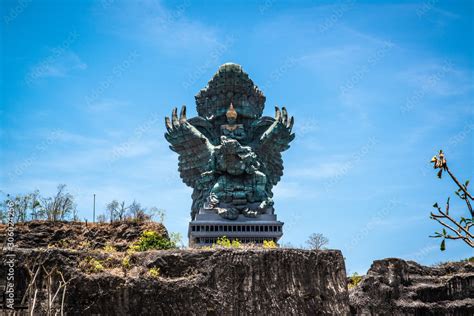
(79,235)
(197,282)
(397,287)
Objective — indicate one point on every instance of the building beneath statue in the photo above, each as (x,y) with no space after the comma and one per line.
(207,228)
(231,156)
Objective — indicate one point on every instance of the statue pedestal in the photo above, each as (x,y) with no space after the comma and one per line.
(206,228)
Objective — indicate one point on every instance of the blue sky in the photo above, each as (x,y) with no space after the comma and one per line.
(376,89)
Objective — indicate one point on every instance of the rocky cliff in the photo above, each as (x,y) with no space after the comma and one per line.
(90,270)
(397,287)
(97,281)
(79,235)
(187,282)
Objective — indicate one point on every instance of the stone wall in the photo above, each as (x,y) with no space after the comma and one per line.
(397,287)
(194,282)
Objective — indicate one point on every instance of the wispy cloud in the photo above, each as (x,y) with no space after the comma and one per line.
(438,78)
(60,67)
(167,27)
(324,170)
(106,105)
(60,61)
(290,190)
(79,139)
(332,57)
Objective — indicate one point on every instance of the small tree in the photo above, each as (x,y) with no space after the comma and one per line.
(35,206)
(113,208)
(75,216)
(22,203)
(25,206)
(101,218)
(317,241)
(138,213)
(456,229)
(121,211)
(157,213)
(134,209)
(60,206)
(177,240)
(4,207)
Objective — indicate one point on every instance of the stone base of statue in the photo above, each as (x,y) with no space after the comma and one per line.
(207,227)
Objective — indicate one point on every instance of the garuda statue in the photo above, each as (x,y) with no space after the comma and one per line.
(229,154)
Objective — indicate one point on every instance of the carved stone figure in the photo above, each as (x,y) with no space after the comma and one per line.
(230,154)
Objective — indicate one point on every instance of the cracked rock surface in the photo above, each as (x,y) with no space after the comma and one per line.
(398,287)
(193,282)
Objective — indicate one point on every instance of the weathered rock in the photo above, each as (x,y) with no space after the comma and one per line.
(195,282)
(79,235)
(397,287)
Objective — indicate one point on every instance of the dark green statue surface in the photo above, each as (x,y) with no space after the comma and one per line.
(230,154)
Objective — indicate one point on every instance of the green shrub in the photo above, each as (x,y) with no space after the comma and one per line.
(126,262)
(150,240)
(227,243)
(91,265)
(354,280)
(154,272)
(223,242)
(85,244)
(109,248)
(269,244)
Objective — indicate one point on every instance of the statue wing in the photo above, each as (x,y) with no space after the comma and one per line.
(192,146)
(272,137)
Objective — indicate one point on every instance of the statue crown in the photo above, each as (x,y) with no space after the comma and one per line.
(230,84)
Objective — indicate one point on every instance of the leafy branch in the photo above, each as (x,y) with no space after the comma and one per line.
(452,228)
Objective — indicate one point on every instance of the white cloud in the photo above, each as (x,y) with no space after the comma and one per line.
(287,190)
(59,63)
(325,170)
(438,78)
(133,148)
(364,37)
(168,28)
(339,54)
(106,105)
(180,33)
(78,139)
(356,103)
(422,254)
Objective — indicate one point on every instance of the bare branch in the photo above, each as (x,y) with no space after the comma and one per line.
(457,182)
(457,224)
(34,303)
(469,206)
(448,227)
(460,231)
